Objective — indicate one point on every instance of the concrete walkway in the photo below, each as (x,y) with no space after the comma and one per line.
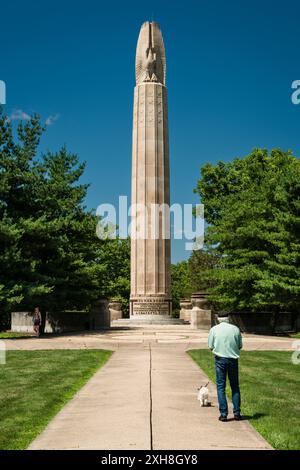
(115,338)
(145,397)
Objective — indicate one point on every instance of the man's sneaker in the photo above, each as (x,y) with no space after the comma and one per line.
(238,417)
(223,418)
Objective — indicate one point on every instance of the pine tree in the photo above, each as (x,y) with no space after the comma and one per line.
(50,255)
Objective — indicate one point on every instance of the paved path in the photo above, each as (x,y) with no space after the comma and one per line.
(145,397)
(116,338)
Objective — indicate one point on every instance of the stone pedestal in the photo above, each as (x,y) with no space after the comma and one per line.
(201,315)
(200,299)
(200,319)
(115,310)
(99,316)
(185,310)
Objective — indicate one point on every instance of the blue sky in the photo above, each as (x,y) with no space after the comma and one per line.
(230,65)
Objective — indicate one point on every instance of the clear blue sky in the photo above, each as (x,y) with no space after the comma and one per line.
(230,65)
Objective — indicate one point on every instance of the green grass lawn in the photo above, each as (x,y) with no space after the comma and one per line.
(14,335)
(35,385)
(270,389)
(295,335)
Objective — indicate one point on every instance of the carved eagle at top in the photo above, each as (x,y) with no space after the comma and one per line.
(150,62)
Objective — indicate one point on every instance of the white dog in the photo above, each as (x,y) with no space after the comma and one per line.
(203,395)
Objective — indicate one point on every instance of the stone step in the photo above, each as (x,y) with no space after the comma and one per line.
(147,321)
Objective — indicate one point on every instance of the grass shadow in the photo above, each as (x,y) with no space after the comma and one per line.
(254,417)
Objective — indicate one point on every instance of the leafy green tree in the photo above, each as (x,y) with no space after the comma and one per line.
(113,256)
(201,263)
(253,208)
(50,255)
(180,284)
(193,275)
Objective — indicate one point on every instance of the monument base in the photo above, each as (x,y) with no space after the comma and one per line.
(151,309)
(147,320)
(150,306)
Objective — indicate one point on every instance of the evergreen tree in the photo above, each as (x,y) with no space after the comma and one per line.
(50,254)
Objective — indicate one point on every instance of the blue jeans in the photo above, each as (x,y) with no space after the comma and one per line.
(227,366)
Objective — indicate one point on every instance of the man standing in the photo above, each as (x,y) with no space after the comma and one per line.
(225,341)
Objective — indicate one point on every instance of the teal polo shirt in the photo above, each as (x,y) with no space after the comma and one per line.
(225,340)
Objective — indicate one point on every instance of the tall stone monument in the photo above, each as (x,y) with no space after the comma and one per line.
(150,297)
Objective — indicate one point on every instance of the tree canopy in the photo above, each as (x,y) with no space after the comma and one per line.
(50,255)
(252,207)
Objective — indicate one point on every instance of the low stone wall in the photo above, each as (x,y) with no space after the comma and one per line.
(260,322)
(99,316)
(21,322)
(265,322)
(59,322)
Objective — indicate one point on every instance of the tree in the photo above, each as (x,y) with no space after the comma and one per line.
(50,254)
(253,208)
(16,203)
(180,284)
(201,263)
(113,256)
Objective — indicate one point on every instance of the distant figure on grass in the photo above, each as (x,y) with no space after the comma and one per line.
(225,341)
(37,321)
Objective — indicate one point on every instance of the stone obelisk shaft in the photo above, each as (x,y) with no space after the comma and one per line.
(150,242)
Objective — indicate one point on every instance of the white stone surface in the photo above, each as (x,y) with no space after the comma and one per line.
(150,248)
